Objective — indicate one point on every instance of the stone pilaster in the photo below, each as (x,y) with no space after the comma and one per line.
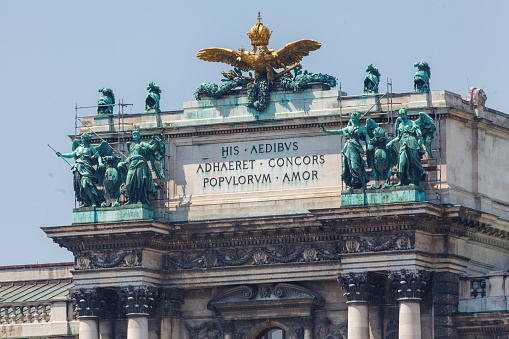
(409,288)
(445,300)
(307,324)
(168,307)
(358,293)
(137,303)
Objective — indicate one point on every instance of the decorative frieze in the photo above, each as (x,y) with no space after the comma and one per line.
(307,252)
(408,284)
(107,259)
(139,300)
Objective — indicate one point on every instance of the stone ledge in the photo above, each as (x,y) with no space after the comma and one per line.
(87,215)
(395,194)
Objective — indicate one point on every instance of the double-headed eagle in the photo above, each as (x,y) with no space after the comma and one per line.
(267,60)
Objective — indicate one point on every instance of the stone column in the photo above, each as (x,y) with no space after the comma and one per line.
(358,293)
(89,307)
(137,302)
(409,288)
(228,329)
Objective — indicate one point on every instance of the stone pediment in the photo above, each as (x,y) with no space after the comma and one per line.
(264,300)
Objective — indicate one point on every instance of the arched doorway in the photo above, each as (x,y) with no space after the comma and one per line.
(274,333)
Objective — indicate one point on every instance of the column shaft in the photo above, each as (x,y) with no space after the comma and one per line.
(308,333)
(137,326)
(409,319)
(358,320)
(89,328)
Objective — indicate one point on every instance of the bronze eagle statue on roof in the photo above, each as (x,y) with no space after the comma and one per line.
(267,60)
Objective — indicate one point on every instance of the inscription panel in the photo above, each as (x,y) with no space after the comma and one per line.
(271,166)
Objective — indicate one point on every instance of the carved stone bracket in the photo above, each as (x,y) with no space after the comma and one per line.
(94,303)
(359,287)
(286,253)
(139,300)
(407,284)
(169,302)
(107,259)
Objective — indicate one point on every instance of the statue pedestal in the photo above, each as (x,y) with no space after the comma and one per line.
(134,212)
(103,123)
(150,119)
(395,194)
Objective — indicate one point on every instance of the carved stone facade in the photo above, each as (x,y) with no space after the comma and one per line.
(217,258)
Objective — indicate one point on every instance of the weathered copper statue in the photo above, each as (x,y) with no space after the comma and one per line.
(411,136)
(371,80)
(106,102)
(139,182)
(85,176)
(421,77)
(354,167)
(153,98)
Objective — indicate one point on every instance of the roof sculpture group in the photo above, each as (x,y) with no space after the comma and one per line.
(96,167)
(100,178)
(415,139)
(264,64)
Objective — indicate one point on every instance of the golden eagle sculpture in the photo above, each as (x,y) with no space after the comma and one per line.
(267,60)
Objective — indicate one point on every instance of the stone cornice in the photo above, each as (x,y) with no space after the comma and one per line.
(328,225)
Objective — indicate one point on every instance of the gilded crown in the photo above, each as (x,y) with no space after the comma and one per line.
(259,34)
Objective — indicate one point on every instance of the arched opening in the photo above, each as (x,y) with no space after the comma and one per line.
(274,333)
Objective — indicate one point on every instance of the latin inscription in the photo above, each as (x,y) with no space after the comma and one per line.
(266,169)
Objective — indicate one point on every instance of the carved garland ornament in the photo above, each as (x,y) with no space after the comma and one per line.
(107,259)
(286,253)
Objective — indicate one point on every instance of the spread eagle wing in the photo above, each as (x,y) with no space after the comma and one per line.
(227,56)
(294,52)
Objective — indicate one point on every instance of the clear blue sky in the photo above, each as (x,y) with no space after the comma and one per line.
(56,54)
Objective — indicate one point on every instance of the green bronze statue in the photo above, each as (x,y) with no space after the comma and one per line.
(421,77)
(380,158)
(153,98)
(106,101)
(410,135)
(139,182)
(371,80)
(87,159)
(354,166)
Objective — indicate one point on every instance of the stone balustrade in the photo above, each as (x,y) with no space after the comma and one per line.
(485,293)
(25,312)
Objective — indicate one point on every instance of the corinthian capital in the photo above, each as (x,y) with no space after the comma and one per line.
(139,299)
(358,286)
(409,284)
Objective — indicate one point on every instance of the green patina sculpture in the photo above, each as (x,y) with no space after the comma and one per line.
(421,77)
(112,179)
(371,80)
(153,98)
(87,159)
(411,135)
(139,182)
(380,158)
(259,92)
(106,102)
(354,166)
